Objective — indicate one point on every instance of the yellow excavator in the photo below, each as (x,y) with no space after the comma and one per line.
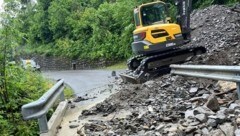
(158,41)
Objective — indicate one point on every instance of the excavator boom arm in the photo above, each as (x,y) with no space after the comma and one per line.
(184,8)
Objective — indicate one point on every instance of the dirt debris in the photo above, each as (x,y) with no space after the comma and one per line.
(175,105)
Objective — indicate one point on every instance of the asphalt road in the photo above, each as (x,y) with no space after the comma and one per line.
(81,81)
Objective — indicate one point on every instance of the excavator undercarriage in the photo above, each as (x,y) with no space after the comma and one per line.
(157,65)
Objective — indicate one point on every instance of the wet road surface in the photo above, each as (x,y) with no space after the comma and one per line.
(95,83)
(82,81)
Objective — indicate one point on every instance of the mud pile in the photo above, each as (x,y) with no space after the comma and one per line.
(175,105)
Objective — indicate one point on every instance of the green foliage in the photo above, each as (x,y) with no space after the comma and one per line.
(87,29)
(23,86)
(18,86)
(120,65)
(92,29)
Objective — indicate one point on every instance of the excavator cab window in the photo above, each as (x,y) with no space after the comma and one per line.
(153,14)
(136,17)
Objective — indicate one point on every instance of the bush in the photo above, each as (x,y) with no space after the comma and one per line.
(22,86)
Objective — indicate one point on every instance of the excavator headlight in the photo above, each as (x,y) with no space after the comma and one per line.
(139,36)
(142,35)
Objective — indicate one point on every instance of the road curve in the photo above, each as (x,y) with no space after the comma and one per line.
(81,81)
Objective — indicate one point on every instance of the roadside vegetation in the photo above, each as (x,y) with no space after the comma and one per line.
(19,87)
(117,66)
(86,29)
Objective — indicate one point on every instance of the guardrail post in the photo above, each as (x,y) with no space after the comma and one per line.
(238,89)
(38,109)
(62,97)
(43,124)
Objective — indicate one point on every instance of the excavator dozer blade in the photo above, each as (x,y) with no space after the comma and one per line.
(130,79)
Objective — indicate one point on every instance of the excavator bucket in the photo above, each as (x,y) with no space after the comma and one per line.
(130,77)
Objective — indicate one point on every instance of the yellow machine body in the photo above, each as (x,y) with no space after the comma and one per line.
(156,36)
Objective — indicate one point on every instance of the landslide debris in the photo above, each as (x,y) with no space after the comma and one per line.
(175,105)
(218,29)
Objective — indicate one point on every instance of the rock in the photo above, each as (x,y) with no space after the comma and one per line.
(160,127)
(72,106)
(189,114)
(223,110)
(157,134)
(201,117)
(167,119)
(237,102)
(110,133)
(221,117)
(212,122)
(72,121)
(79,98)
(230,116)
(80,133)
(149,133)
(237,132)
(150,101)
(196,99)
(212,103)
(217,132)
(95,127)
(205,96)
(114,73)
(132,128)
(193,90)
(190,129)
(234,106)
(88,112)
(73,126)
(238,121)
(149,84)
(150,108)
(205,131)
(237,111)
(145,127)
(141,133)
(227,128)
(204,110)
(195,123)
(173,128)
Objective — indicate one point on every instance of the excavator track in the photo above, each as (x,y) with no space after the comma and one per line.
(157,65)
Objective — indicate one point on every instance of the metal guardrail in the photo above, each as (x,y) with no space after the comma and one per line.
(38,109)
(226,73)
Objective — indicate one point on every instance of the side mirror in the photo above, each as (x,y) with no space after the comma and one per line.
(169,20)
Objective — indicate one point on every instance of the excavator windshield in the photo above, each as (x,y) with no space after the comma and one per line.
(153,14)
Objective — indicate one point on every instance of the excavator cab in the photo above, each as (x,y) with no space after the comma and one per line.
(154,33)
(151,14)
